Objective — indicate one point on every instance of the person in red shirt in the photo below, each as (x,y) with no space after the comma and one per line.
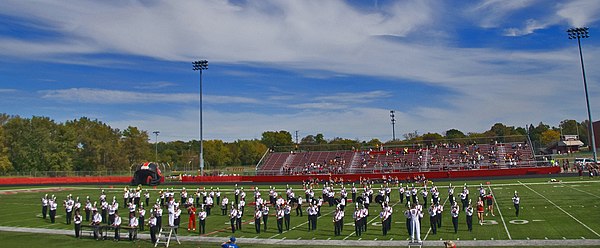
(480,210)
(490,204)
(192,221)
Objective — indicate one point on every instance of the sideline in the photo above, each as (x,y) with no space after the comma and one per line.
(561,209)
(322,243)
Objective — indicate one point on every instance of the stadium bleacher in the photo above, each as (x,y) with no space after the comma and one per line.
(438,157)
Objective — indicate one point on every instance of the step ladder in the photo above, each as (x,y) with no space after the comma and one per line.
(172,233)
(415,244)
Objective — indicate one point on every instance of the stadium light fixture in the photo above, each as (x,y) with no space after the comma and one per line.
(393,116)
(580,33)
(156,145)
(200,65)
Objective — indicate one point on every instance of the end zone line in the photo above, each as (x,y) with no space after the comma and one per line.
(561,209)
(500,212)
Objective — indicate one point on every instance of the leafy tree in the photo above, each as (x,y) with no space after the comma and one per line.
(453,134)
(550,136)
(308,140)
(216,154)
(5,164)
(431,138)
(273,139)
(135,145)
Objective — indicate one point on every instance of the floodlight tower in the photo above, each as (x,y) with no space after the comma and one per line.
(393,116)
(156,145)
(200,65)
(580,33)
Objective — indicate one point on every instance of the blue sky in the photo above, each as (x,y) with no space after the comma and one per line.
(331,67)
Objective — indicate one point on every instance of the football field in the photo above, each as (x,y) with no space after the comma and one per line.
(565,210)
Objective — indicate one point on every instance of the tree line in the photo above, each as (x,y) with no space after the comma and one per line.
(41,144)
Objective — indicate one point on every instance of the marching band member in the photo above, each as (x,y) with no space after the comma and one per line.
(171,211)
(400,193)
(299,206)
(158,212)
(132,208)
(152,223)
(88,209)
(96,221)
(407,195)
(218,196)
(516,201)
(257,218)
(424,193)
(202,219)
(451,194)
(413,193)
(192,220)
(432,217)
(241,206)
(141,214)
(112,209)
(147,197)
(279,214)
(133,224)
(209,204)
(125,196)
(44,206)
(197,194)
(232,216)
(238,218)
(415,216)
(385,216)
(77,221)
(312,216)
(177,217)
(224,204)
(337,221)
(287,210)
(357,221)
(364,215)
(469,213)
(439,209)
(104,210)
(136,197)
(265,214)
(69,209)
(117,225)
(236,194)
(77,205)
(53,206)
(184,195)
(408,221)
(454,213)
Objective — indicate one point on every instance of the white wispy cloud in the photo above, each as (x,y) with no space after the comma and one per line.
(8,90)
(104,96)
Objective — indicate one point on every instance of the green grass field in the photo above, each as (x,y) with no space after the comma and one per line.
(567,210)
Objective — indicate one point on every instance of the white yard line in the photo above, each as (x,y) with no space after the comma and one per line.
(561,209)
(500,212)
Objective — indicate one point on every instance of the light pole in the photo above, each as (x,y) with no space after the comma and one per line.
(580,33)
(393,116)
(200,65)
(156,145)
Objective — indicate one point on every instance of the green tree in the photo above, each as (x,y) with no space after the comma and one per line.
(98,146)
(251,151)
(135,145)
(216,154)
(273,139)
(550,136)
(454,134)
(5,164)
